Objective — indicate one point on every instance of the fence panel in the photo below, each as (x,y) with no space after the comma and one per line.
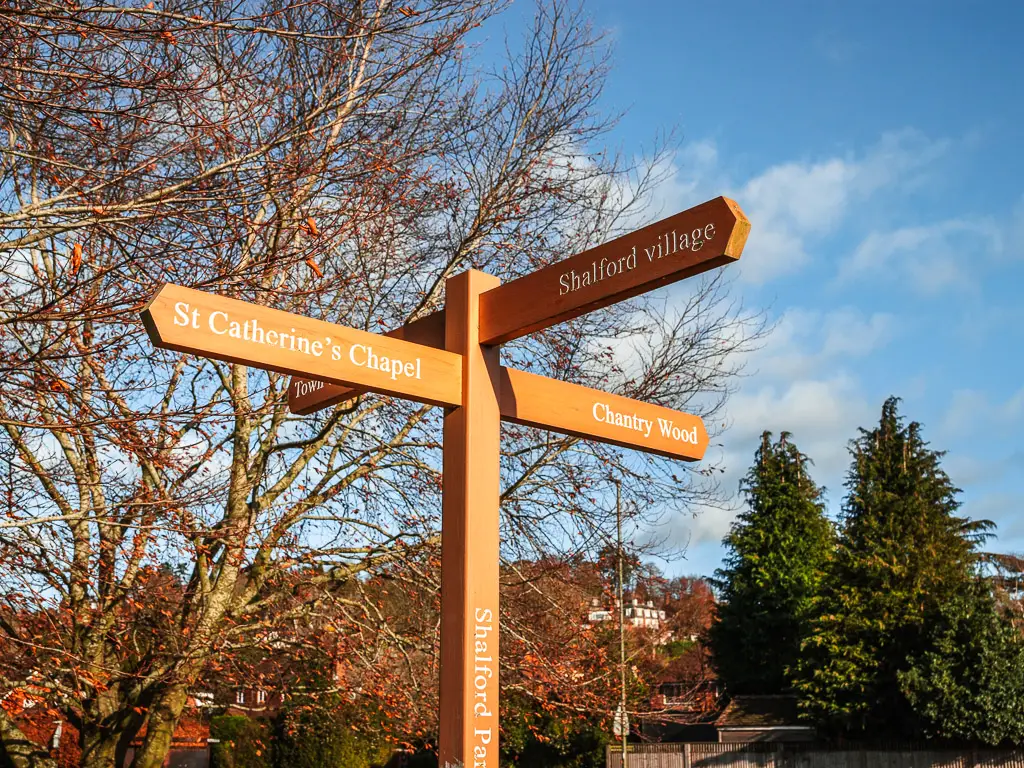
(795,755)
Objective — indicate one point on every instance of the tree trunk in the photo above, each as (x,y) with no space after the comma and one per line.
(19,750)
(163,718)
(108,725)
(99,748)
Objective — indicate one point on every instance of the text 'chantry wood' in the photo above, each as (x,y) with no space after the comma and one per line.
(558,406)
(570,409)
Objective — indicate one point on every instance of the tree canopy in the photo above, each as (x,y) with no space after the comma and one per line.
(777,550)
(903,557)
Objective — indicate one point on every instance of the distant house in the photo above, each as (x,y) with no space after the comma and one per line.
(190,744)
(637,614)
(762,718)
(253,701)
(47,727)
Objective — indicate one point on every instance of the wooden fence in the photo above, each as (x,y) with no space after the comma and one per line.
(779,755)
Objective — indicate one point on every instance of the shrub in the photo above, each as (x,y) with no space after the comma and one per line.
(241,742)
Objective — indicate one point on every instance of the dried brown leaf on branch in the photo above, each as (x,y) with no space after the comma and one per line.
(165,515)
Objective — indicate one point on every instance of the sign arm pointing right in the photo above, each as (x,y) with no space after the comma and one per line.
(704,237)
(689,243)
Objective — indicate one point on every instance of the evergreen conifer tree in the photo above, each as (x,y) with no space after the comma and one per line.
(968,682)
(903,553)
(777,550)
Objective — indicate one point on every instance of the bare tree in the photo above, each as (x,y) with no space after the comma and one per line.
(336,158)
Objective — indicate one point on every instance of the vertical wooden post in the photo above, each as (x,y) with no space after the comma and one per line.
(469,539)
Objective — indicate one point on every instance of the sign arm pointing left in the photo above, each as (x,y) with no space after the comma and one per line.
(205,324)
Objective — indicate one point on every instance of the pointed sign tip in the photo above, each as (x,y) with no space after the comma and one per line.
(146,316)
(735,208)
(738,237)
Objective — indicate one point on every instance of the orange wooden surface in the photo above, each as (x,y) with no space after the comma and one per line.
(541,299)
(560,406)
(213,326)
(538,401)
(655,255)
(469,541)
(309,395)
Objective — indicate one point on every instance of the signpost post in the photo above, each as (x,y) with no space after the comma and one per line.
(450,359)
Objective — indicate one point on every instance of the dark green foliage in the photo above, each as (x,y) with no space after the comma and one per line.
(777,550)
(539,738)
(678,648)
(325,732)
(902,555)
(420,757)
(308,733)
(968,684)
(242,742)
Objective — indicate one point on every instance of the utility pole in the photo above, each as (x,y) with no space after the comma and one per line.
(624,730)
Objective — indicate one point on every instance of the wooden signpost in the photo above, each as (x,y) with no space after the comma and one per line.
(450,358)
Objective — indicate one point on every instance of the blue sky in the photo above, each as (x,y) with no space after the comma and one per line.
(877,149)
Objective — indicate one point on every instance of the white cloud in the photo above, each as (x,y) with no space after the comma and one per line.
(799,384)
(690,177)
(929,258)
(806,341)
(795,204)
(821,414)
(787,204)
(849,334)
(971,412)
(808,198)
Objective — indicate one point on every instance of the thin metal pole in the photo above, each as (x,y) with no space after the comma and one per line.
(622,622)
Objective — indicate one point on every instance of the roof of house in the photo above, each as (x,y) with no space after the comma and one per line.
(189,733)
(760,712)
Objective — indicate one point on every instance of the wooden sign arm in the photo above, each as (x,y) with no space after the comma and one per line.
(689,243)
(222,328)
(304,397)
(572,409)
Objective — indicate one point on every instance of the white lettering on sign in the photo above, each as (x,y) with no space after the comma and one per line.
(627,420)
(363,356)
(220,323)
(483,672)
(304,387)
(668,429)
(668,244)
(605,413)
